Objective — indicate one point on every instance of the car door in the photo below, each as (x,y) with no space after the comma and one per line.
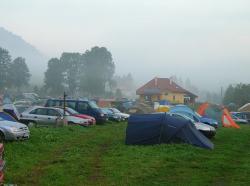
(52,116)
(39,116)
(83,108)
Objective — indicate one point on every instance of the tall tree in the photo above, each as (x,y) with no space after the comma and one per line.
(19,73)
(5,60)
(99,70)
(72,64)
(54,77)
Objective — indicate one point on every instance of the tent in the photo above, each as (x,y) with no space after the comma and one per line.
(245,108)
(217,112)
(149,129)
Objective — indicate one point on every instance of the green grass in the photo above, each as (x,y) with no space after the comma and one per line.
(98,156)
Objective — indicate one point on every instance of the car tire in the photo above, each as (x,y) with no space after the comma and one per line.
(70,123)
(2,137)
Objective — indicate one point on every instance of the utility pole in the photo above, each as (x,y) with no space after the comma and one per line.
(64,104)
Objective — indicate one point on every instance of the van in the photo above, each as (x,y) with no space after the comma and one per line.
(81,106)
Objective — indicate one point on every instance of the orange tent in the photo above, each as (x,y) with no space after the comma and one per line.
(227,120)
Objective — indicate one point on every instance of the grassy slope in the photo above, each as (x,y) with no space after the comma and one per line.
(98,156)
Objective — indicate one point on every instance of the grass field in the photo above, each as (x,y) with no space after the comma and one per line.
(98,156)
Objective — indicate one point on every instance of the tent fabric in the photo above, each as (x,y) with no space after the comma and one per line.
(150,129)
(6,116)
(202,109)
(245,108)
(227,120)
(218,113)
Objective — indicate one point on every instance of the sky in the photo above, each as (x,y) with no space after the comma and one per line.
(207,41)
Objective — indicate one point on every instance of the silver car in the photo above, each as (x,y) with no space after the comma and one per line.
(11,130)
(49,115)
(205,129)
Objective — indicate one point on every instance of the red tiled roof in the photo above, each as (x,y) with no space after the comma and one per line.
(163,84)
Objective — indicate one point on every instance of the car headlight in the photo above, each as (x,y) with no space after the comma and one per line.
(101,114)
(14,129)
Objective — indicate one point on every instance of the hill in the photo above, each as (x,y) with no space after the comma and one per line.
(19,47)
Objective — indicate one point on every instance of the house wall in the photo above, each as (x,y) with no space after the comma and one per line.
(174,97)
(177,98)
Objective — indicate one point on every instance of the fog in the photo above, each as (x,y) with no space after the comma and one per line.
(206,41)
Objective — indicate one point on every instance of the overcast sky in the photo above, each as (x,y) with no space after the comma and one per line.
(205,40)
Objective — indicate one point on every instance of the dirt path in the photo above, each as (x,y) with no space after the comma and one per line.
(96,176)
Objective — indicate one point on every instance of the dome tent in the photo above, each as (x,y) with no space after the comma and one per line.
(149,129)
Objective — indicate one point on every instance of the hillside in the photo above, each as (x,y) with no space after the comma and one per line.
(19,47)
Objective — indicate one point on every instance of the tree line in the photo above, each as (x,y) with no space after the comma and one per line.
(237,95)
(14,74)
(81,74)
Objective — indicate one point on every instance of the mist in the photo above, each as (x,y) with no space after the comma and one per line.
(206,41)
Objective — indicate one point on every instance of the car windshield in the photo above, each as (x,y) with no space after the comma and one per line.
(115,110)
(71,111)
(93,105)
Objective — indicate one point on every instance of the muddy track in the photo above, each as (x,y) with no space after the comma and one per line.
(96,177)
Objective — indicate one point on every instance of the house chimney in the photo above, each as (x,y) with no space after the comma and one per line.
(156,79)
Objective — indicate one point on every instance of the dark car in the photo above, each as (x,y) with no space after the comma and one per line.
(82,106)
(111,115)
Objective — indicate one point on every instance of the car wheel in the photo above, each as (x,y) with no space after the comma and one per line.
(2,137)
(70,123)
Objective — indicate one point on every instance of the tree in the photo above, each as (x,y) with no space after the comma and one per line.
(238,94)
(99,70)
(54,77)
(19,73)
(72,64)
(5,60)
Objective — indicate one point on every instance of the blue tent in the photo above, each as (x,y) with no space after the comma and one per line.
(149,129)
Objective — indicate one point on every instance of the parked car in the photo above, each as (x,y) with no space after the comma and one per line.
(82,106)
(182,109)
(111,115)
(49,115)
(71,111)
(13,130)
(124,116)
(205,129)
(239,120)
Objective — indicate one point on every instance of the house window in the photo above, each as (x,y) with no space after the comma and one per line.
(173,98)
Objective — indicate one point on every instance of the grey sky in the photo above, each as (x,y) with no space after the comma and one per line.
(205,40)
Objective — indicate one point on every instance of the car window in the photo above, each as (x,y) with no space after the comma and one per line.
(82,107)
(52,112)
(41,111)
(93,105)
(70,104)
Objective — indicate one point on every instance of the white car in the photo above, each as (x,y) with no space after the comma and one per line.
(12,130)
(38,115)
(205,129)
(124,116)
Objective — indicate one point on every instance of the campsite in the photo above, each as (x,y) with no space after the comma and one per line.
(99,156)
(124,93)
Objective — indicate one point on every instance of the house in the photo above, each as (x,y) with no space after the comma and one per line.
(165,89)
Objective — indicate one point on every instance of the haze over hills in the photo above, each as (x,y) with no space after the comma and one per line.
(16,46)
